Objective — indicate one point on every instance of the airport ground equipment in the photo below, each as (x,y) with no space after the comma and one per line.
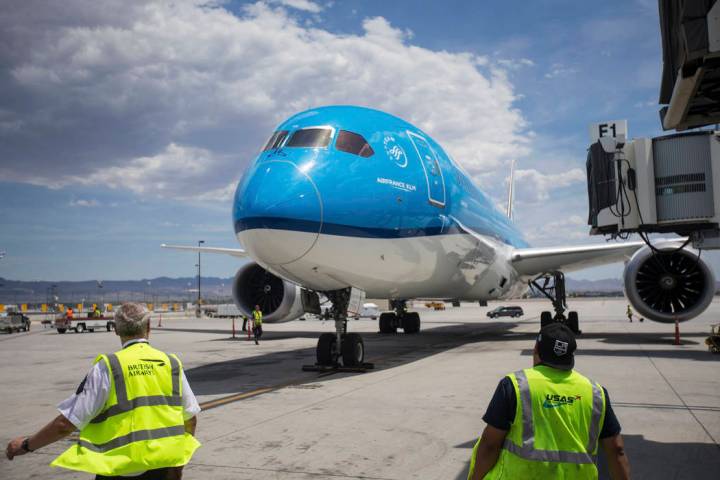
(668,184)
(690,84)
(80,325)
(713,341)
(435,305)
(14,322)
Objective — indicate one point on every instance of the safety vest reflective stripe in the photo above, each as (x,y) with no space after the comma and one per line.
(528,451)
(124,405)
(133,437)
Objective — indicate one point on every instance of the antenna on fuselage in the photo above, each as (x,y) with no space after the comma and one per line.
(509,211)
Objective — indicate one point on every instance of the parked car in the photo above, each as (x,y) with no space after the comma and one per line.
(506,312)
(14,322)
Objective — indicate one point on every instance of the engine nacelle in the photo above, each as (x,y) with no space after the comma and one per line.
(279,300)
(668,285)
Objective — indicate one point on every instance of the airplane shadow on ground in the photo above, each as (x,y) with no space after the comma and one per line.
(649,459)
(385,351)
(388,351)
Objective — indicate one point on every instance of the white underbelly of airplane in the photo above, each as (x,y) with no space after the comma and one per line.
(437,266)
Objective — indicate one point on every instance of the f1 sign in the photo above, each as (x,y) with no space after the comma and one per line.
(611,129)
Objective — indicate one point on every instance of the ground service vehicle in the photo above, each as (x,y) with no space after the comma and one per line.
(506,312)
(80,325)
(14,322)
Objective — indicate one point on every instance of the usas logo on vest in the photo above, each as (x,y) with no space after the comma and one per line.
(554,401)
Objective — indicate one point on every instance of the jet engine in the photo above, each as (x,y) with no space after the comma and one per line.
(668,284)
(279,300)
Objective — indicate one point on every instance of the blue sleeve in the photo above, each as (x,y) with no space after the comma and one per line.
(611,426)
(501,410)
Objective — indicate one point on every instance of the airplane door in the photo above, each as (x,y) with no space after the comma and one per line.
(431,167)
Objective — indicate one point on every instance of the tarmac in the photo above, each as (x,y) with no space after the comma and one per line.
(415,416)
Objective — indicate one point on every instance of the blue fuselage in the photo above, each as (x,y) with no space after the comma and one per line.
(362,175)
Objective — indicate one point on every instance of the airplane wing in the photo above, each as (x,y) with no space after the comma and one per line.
(535,261)
(235,252)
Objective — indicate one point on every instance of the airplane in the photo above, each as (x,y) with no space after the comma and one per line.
(346,198)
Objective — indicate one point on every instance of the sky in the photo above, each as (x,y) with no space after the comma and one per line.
(124,125)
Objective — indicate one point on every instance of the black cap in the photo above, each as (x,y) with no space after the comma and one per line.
(556,344)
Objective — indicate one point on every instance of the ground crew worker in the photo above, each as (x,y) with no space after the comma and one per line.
(135,411)
(97,313)
(629,313)
(547,421)
(257,323)
(245,321)
(69,313)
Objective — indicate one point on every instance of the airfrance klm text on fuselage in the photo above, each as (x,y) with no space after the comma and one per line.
(346,197)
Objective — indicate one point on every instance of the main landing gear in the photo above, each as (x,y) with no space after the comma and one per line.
(552,285)
(389,322)
(334,347)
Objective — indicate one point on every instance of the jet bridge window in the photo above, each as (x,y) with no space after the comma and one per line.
(353,143)
(276,140)
(310,137)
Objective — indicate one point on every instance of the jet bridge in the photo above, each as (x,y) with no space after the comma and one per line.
(690,88)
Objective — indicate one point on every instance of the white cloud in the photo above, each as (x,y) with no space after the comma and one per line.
(304,5)
(84,203)
(558,70)
(173,100)
(515,63)
(568,229)
(538,185)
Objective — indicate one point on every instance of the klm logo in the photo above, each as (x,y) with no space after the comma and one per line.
(555,401)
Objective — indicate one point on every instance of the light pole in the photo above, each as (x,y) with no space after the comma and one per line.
(199,300)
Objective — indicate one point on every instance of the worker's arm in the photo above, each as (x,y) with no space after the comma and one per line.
(60,427)
(617,460)
(488,451)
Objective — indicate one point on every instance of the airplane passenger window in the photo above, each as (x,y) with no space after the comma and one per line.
(353,143)
(310,137)
(276,140)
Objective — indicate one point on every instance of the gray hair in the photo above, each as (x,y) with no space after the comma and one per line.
(131,319)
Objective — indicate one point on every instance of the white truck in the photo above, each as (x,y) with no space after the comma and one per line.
(87,324)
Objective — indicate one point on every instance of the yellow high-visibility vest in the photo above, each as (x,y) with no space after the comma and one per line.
(141,426)
(257,316)
(556,430)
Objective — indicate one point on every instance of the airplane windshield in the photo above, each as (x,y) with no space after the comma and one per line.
(353,143)
(276,140)
(310,137)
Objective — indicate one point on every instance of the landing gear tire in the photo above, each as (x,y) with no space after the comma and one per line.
(326,351)
(573,323)
(411,322)
(545,319)
(387,323)
(353,350)
(62,330)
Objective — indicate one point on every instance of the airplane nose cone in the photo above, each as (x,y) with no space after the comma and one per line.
(279,215)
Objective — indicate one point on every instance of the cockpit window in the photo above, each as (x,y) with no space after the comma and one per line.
(353,143)
(310,137)
(276,140)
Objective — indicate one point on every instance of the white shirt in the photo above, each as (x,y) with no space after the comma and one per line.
(87,403)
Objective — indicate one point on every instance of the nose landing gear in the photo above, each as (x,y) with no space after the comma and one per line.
(552,285)
(332,348)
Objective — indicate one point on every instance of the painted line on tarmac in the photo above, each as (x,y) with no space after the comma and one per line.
(219,402)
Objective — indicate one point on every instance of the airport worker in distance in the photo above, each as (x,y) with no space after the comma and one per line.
(135,411)
(546,422)
(69,313)
(629,313)
(257,323)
